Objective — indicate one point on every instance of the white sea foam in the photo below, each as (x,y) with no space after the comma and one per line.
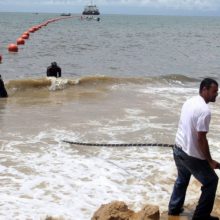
(43,176)
(58,83)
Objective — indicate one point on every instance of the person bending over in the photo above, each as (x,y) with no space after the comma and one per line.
(54,70)
(3,92)
(192,155)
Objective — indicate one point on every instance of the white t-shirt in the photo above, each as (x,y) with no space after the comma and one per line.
(195,117)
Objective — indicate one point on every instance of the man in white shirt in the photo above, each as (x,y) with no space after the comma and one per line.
(191,153)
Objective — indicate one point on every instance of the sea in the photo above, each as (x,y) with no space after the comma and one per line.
(124,80)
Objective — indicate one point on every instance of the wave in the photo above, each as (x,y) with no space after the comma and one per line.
(53,84)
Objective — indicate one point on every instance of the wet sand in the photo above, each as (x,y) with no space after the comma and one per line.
(188,213)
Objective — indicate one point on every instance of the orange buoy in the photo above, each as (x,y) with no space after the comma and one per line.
(0,58)
(24,36)
(20,41)
(26,32)
(34,28)
(12,48)
(31,30)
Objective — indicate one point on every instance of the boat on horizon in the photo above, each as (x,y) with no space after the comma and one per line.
(65,14)
(91,10)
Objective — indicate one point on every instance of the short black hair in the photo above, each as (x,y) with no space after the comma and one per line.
(207,82)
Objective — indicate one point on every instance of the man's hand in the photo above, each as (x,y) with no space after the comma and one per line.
(214,164)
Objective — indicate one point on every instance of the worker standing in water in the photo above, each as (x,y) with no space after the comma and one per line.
(54,70)
(3,92)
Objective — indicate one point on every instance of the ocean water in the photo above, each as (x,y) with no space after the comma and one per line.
(124,80)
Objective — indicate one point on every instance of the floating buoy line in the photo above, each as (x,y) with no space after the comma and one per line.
(13,47)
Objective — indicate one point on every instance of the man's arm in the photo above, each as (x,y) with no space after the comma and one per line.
(48,71)
(59,71)
(204,147)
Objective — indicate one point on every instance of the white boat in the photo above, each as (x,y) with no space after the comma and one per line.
(91,10)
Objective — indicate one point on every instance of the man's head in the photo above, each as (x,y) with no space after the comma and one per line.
(53,64)
(208,89)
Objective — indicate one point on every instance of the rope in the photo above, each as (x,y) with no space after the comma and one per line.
(119,145)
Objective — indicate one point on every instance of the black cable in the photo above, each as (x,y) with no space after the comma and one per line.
(120,145)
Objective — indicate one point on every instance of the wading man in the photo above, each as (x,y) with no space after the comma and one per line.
(54,70)
(3,92)
(192,155)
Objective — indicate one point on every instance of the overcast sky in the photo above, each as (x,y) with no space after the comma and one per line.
(149,7)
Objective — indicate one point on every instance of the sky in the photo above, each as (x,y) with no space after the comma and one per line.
(141,7)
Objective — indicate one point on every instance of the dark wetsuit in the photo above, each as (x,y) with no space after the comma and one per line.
(54,71)
(3,92)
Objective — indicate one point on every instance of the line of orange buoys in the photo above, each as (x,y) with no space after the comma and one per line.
(13,47)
